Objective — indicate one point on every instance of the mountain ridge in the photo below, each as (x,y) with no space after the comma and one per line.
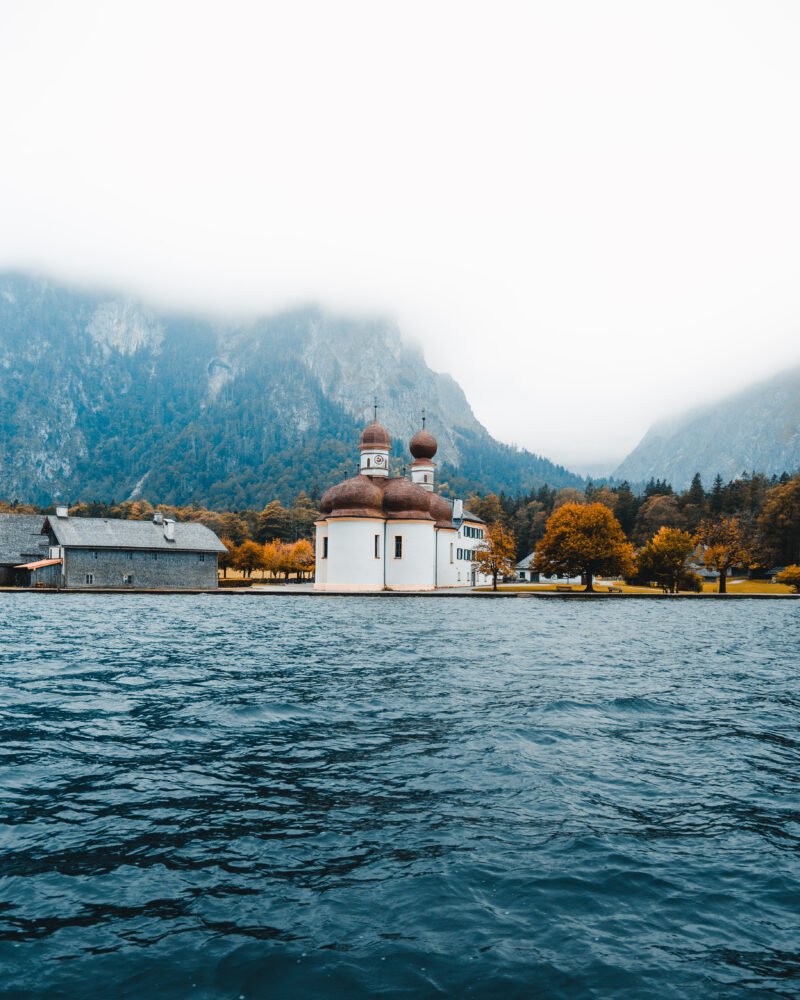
(756,429)
(103,397)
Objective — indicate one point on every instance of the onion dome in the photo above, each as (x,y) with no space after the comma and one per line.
(375,435)
(402,499)
(423,445)
(441,511)
(356,497)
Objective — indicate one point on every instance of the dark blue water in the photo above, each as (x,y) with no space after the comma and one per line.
(270,797)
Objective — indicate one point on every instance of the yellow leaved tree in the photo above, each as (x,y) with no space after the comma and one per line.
(726,543)
(583,539)
(496,556)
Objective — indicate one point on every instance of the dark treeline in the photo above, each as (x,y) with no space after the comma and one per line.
(768,507)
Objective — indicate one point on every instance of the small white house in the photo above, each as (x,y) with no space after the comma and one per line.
(524,572)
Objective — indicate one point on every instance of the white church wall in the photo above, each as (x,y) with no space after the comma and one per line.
(414,569)
(320,561)
(351,562)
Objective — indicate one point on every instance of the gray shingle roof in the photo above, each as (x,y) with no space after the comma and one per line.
(21,538)
(467,515)
(114,533)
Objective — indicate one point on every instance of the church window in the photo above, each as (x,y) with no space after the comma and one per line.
(368,461)
(451,551)
(325,547)
(377,546)
(398,546)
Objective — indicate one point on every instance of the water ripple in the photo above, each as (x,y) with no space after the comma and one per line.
(263,797)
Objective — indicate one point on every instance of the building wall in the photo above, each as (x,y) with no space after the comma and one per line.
(170,571)
(320,561)
(415,569)
(446,565)
(47,576)
(351,562)
(471,536)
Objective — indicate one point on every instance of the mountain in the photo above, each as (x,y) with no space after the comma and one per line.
(104,398)
(756,430)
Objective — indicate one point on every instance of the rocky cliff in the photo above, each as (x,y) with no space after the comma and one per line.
(101,397)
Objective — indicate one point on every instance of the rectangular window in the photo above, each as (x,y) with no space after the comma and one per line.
(94,554)
(377,546)
(129,555)
(398,546)
(325,547)
(89,579)
(155,555)
(127,578)
(202,557)
(451,551)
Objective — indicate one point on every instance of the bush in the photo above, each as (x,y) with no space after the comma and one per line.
(790,576)
(691,581)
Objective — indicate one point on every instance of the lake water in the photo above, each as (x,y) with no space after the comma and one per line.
(269,797)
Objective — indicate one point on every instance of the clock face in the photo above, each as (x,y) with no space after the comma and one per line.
(379,459)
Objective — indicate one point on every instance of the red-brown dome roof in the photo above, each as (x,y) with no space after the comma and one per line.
(375,435)
(423,445)
(356,497)
(404,499)
(441,511)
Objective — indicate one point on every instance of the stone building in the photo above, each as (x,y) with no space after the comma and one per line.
(161,554)
(21,541)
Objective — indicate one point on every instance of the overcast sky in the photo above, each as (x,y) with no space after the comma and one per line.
(588,213)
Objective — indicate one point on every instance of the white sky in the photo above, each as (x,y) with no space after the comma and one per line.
(589,213)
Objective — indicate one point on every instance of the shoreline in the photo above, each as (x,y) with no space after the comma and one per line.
(268,591)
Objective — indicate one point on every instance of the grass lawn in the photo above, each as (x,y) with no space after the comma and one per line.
(750,587)
(734,587)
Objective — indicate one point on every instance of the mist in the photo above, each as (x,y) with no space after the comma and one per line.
(587,214)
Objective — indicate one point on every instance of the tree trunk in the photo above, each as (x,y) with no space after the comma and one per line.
(589,587)
(723,580)
(494,580)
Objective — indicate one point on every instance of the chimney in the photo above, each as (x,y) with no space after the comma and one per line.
(62,511)
(169,529)
(458,510)
(158,517)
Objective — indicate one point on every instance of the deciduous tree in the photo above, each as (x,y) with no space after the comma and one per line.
(585,539)
(663,558)
(226,558)
(497,554)
(249,556)
(725,544)
(302,557)
(790,576)
(780,523)
(659,511)
(274,521)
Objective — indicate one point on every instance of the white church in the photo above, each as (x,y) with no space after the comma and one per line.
(380,532)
